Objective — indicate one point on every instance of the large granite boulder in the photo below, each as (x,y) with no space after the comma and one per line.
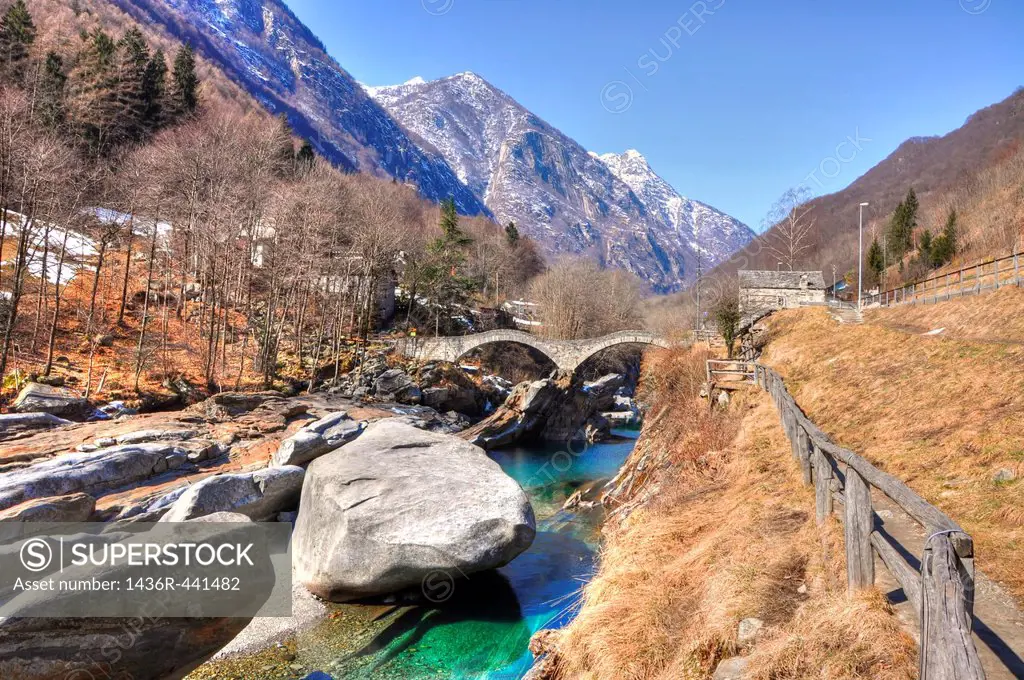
(141,648)
(446,387)
(57,401)
(258,495)
(559,409)
(398,505)
(317,438)
(396,385)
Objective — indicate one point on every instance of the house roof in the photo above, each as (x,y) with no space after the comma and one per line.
(782,280)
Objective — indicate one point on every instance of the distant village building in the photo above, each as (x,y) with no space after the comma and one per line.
(767,291)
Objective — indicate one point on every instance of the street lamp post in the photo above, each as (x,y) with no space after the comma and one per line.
(860,259)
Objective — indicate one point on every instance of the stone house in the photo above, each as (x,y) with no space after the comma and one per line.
(767,291)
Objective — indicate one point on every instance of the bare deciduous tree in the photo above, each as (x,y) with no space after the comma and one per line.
(791,225)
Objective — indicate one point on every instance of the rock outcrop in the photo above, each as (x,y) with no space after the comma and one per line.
(558,409)
(446,387)
(57,401)
(396,385)
(14,424)
(397,505)
(76,507)
(258,495)
(87,472)
(318,438)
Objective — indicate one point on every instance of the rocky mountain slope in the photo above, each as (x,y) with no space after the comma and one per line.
(263,47)
(707,230)
(569,200)
(457,137)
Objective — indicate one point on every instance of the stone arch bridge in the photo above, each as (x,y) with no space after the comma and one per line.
(566,354)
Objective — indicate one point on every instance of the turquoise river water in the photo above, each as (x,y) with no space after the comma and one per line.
(482,630)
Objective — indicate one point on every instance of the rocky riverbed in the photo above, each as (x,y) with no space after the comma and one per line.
(312,460)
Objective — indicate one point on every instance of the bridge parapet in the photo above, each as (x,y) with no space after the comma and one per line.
(566,354)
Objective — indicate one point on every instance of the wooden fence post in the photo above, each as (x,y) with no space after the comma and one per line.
(860,560)
(1016,269)
(803,443)
(947,649)
(822,485)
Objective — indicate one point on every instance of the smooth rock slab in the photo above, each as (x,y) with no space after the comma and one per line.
(399,504)
(732,669)
(318,438)
(12,423)
(76,507)
(258,495)
(88,472)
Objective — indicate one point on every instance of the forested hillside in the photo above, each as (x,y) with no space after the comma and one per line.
(970,170)
(160,227)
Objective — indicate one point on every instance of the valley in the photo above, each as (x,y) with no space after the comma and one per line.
(493,398)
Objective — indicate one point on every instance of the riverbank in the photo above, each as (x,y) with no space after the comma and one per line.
(513,558)
(482,628)
(713,533)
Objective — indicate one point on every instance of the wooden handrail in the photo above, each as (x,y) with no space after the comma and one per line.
(942,591)
(920,291)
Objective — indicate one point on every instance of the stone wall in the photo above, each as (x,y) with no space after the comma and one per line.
(755,301)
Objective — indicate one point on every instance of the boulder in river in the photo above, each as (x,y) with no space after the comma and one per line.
(317,438)
(57,401)
(399,505)
(259,495)
(557,409)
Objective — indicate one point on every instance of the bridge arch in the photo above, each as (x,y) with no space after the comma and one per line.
(565,354)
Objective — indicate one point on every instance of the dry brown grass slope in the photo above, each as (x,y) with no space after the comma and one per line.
(729,534)
(942,412)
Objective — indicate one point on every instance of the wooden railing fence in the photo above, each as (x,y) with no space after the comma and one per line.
(969,280)
(730,371)
(942,591)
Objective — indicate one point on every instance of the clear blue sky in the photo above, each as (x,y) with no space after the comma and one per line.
(731,107)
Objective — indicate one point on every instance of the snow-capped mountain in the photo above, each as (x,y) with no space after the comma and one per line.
(263,47)
(567,199)
(707,230)
(457,137)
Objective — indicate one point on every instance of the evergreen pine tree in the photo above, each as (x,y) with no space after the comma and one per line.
(446,284)
(876,260)
(925,247)
(95,105)
(512,234)
(131,84)
(17,33)
(949,232)
(184,83)
(52,82)
(944,245)
(154,92)
(284,159)
(306,155)
(902,225)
